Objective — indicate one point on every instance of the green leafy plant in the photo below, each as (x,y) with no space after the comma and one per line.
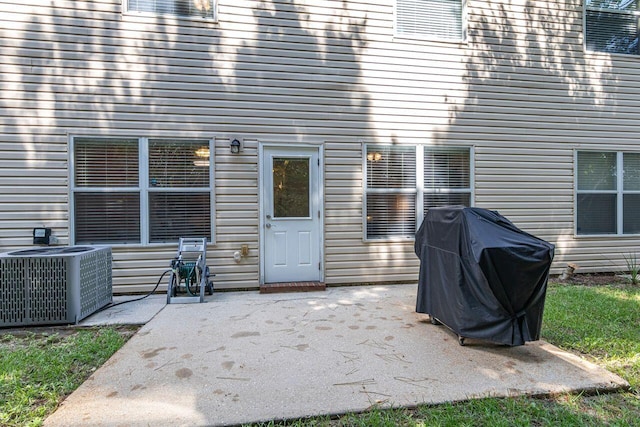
(633,267)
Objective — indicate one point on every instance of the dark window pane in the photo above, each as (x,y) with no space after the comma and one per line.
(291,188)
(631,214)
(612,32)
(391,215)
(107,218)
(628,5)
(178,163)
(596,214)
(175,215)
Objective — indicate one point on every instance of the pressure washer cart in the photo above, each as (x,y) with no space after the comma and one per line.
(189,272)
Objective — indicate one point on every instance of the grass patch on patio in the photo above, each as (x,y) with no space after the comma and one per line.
(601,323)
(37,370)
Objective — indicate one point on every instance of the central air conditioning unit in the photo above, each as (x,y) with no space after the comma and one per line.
(56,285)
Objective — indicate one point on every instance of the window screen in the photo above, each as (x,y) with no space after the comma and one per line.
(430,18)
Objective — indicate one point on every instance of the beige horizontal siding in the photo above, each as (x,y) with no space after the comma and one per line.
(520,90)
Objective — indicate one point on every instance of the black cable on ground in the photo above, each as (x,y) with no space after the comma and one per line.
(135,299)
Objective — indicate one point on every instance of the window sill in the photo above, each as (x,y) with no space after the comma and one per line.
(426,40)
(167,18)
(390,240)
(598,54)
(138,245)
(606,236)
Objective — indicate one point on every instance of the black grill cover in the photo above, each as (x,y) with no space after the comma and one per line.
(482,276)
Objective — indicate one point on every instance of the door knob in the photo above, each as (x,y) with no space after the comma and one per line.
(268,225)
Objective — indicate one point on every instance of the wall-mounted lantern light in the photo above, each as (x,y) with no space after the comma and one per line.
(235,146)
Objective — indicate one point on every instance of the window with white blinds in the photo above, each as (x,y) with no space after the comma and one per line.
(612,26)
(403,182)
(608,193)
(119,198)
(447,177)
(390,191)
(441,19)
(189,8)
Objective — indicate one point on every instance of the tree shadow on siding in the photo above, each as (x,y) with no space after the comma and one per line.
(80,69)
(533,95)
(304,72)
(308,78)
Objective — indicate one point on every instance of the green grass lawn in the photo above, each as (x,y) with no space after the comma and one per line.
(38,370)
(601,323)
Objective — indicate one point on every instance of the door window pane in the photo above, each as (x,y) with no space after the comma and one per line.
(291,188)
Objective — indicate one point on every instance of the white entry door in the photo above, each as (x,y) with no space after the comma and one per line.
(291,222)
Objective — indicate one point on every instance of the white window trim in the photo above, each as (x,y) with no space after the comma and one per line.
(133,13)
(419,190)
(143,188)
(619,192)
(431,38)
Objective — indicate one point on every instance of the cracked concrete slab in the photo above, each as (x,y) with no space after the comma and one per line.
(245,357)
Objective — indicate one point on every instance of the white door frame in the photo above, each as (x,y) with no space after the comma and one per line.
(261,198)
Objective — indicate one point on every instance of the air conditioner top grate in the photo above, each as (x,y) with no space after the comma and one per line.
(51,251)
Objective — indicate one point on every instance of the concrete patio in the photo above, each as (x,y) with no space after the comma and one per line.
(246,357)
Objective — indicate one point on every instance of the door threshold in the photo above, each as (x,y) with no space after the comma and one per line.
(273,288)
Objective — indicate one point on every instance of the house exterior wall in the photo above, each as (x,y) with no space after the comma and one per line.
(521,90)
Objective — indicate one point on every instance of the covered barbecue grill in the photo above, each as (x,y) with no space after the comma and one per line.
(482,276)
